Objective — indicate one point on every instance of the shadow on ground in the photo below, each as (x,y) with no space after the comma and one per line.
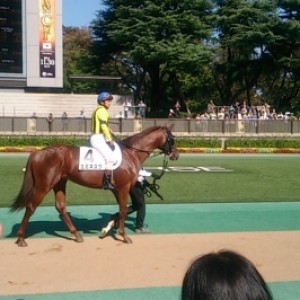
(57,228)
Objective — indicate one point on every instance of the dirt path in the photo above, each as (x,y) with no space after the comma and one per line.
(60,265)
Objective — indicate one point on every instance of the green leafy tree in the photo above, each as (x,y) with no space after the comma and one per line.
(243,33)
(257,50)
(282,79)
(77,58)
(154,44)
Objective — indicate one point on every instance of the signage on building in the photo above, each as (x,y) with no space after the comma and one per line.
(47,38)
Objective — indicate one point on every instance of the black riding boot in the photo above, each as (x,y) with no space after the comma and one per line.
(107,185)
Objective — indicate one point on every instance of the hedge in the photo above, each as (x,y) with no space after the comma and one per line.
(199,145)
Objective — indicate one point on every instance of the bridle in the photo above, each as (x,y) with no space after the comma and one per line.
(169,144)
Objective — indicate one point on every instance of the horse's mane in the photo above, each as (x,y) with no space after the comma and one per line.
(131,139)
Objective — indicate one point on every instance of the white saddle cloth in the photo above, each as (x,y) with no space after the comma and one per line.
(90,159)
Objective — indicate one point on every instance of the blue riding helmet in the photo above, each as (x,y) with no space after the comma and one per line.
(104,96)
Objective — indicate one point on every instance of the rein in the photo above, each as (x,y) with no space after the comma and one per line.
(119,141)
(133,148)
(168,143)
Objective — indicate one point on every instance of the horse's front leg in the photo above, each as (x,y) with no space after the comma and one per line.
(122,215)
(60,205)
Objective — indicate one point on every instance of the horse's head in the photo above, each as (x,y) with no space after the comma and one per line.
(156,137)
(169,146)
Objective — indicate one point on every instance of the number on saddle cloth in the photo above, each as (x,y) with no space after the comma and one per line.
(92,160)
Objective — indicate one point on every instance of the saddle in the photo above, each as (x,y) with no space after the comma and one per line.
(90,159)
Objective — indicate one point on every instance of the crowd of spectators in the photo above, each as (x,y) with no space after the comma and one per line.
(237,111)
(241,111)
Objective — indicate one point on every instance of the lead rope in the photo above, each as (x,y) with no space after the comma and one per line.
(154,187)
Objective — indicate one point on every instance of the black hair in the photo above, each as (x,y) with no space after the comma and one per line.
(225,275)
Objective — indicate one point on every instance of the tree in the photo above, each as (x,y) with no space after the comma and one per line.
(283,81)
(77,57)
(154,44)
(244,31)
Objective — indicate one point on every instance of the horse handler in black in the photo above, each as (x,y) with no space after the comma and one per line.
(137,195)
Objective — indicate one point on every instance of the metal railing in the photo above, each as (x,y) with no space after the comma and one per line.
(71,126)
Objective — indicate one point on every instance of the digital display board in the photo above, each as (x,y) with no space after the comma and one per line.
(11,39)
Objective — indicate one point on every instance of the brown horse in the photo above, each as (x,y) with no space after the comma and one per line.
(51,168)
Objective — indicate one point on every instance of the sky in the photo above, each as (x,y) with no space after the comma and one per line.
(79,12)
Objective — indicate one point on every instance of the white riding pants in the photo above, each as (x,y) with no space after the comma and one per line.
(99,143)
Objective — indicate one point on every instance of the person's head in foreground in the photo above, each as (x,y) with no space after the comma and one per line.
(224,275)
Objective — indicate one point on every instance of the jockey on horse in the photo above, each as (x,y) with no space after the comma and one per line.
(102,139)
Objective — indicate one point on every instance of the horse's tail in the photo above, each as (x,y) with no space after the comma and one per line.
(27,188)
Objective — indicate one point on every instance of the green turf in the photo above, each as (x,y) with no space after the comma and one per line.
(191,218)
(280,291)
(253,178)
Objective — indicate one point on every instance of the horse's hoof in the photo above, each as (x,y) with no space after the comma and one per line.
(79,240)
(78,237)
(21,243)
(127,240)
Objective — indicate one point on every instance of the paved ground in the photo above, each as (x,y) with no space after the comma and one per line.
(55,267)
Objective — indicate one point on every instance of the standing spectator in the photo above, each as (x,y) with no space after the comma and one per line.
(81,114)
(280,116)
(198,119)
(142,109)
(287,116)
(211,107)
(126,108)
(171,114)
(274,114)
(267,108)
(221,113)
(198,125)
(34,115)
(177,109)
(244,111)
(224,275)
(50,119)
(232,111)
(119,115)
(188,117)
(137,123)
(82,122)
(65,121)
(237,107)
(32,122)
(205,120)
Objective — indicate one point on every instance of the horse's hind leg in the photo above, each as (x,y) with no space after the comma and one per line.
(30,209)
(21,231)
(60,205)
